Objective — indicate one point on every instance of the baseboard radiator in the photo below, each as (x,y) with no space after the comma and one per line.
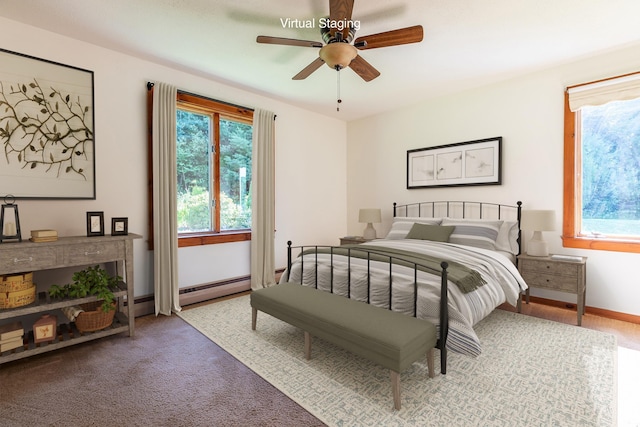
(200,293)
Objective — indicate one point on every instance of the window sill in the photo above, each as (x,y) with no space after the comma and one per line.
(200,239)
(602,244)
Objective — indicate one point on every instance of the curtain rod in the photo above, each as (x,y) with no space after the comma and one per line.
(151,84)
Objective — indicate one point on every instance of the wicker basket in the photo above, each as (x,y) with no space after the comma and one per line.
(93,318)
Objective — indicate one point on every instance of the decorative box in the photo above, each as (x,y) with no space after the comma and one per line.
(18,298)
(44,329)
(15,282)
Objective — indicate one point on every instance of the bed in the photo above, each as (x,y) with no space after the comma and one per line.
(479,241)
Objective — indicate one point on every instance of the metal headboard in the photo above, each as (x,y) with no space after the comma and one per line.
(463,209)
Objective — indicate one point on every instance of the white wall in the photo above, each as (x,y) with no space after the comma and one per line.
(528,113)
(310,175)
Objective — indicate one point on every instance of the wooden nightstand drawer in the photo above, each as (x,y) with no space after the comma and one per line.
(550,281)
(550,267)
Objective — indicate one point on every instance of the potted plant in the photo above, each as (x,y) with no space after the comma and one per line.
(90,281)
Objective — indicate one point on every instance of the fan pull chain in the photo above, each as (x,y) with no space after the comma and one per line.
(339,101)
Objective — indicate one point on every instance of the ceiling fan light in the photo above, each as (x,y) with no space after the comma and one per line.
(338,54)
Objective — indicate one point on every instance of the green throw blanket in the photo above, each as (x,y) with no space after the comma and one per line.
(464,277)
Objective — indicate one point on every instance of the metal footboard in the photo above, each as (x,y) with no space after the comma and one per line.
(443,303)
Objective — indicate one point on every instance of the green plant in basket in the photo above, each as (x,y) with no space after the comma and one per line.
(92,281)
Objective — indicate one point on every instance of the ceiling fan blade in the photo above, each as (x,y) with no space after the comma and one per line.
(390,38)
(363,69)
(306,71)
(287,42)
(340,10)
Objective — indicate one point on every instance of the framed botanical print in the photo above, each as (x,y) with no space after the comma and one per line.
(47,132)
(95,224)
(119,226)
(464,163)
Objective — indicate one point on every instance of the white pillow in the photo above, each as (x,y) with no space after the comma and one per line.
(402,225)
(508,237)
(474,232)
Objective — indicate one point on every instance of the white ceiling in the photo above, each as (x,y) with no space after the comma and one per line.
(467,43)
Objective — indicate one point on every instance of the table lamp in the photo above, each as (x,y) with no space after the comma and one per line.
(538,221)
(369,216)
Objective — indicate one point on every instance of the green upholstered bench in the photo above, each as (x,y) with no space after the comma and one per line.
(390,339)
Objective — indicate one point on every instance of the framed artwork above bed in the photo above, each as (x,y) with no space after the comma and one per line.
(465,163)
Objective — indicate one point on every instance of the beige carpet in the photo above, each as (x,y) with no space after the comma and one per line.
(532,372)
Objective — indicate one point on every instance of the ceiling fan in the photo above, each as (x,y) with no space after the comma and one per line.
(338,51)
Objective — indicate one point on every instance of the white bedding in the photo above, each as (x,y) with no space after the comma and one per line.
(504,284)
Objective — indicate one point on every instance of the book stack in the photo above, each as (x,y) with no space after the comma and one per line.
(44,235)
(11,336)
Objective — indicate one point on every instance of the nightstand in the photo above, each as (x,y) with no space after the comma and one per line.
(557,275)
(352,240)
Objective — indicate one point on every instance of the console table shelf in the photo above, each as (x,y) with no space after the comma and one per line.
(77,251)
(43,303)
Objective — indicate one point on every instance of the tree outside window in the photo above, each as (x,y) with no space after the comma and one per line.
(213,170)
(610,141)
(602,165)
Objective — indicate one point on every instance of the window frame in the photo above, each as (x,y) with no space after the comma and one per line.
(571,236)
(218,110)
(199,103)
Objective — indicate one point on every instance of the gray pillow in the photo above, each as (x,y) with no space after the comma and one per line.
(436,233)
(402,225)
(477,233)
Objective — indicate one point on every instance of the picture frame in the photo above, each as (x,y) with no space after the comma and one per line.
(54,159)
(119,226)
(476,162)
(95,224)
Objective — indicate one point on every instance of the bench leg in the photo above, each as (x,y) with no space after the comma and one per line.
(395,387)
(307,345)
(254,318)
(431,361)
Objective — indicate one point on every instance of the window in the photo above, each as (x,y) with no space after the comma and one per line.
(602,166)
(213,171)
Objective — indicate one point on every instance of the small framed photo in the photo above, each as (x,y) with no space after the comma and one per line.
(95,224)
(119,226)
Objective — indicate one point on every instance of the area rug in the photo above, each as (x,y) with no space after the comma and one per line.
(532,372)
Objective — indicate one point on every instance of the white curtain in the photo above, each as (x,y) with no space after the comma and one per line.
(165,234)
(622,88)
(263,200)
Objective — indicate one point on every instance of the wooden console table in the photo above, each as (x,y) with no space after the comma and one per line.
(77,251)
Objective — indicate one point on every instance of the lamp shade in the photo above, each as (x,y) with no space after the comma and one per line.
(370,215)
(338,55)
(538,220)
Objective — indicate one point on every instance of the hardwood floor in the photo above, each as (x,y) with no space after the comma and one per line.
(628,334)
